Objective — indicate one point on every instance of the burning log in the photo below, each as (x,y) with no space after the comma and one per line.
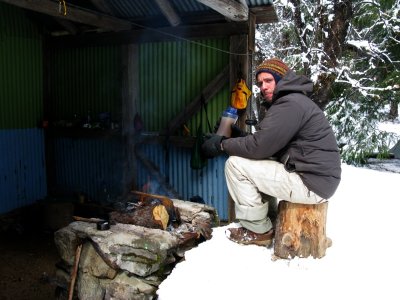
(152,211)
(150,216)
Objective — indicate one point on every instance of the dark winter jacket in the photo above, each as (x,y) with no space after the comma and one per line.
(296,131)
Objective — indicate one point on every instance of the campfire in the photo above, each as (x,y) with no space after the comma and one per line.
(129,255)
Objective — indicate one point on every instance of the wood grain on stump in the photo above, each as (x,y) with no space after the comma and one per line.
(301,230)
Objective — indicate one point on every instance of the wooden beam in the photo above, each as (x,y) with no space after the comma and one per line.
(156,139)
(252,32)
(103,6)
(192,18)
(194,106)
(69,26)
(73,14)
(239,66)
(152,35)
(169,12)
(264,14)
(231,9)
(130,94)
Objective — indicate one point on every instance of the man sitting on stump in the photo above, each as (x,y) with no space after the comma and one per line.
(292,156)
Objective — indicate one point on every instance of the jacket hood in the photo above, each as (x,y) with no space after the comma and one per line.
(292,82)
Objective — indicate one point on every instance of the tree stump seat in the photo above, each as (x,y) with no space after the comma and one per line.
(301,230)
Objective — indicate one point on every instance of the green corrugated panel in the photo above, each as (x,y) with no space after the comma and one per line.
(21,70)
(85,79)
(172,74)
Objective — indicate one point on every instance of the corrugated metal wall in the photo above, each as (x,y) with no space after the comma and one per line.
(171,75)
(22,168)
(86,81)
(89,80)
(22,172)
(208,183)
(93,167)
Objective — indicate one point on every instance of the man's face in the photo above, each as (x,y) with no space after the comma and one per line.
(266,83)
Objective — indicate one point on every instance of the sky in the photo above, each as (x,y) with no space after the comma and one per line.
(363,221)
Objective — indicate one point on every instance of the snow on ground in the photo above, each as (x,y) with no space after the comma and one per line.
(363,222)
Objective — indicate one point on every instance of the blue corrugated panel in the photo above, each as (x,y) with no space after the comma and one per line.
(22,168)
(208,183)
(91,166)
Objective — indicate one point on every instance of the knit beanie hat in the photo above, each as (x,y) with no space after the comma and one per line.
(274,66)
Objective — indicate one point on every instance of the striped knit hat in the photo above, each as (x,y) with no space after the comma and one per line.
(274,66)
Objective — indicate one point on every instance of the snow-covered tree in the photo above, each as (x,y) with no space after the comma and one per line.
(350,49)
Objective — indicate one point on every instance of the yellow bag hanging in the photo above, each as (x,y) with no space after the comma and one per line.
(240,94)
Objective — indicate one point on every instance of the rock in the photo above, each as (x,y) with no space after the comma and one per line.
(129,261)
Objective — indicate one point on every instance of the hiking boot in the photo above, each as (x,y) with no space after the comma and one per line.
(244,236)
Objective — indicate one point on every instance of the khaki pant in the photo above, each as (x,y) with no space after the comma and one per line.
(248,179)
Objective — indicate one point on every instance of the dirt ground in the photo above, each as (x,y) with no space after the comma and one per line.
(27,265)
(28,257)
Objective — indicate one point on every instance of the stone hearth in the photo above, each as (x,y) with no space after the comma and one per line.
(126,261)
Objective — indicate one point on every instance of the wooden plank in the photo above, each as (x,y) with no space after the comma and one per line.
(151,35)
(238,68)
(177,141)
(47,58)
(69,26)
(265,14)
(103,6)
(235,11)
(252,32)
(130,94)
(194,106)
(73,14)
(169,12)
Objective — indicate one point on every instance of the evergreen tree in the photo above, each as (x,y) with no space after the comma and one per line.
(350,49)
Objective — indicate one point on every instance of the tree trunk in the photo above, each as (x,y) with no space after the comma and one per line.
(394,110)
(300,230)
(333,48)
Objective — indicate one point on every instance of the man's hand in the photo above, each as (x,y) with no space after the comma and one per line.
(212,146)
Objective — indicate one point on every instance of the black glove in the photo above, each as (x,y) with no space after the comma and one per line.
(212,146)
(237,132)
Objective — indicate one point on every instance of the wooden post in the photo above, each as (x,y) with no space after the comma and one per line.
(238,64)
(300,230)
(74,272)
(130,97)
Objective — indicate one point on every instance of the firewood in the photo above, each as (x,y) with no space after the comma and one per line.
(74,272)
(150,216)
(160,214)
(146,199)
